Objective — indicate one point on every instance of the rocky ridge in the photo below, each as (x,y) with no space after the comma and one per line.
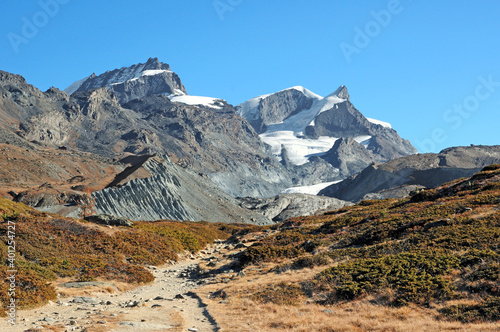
(172,192)
(134,82)
(398,177)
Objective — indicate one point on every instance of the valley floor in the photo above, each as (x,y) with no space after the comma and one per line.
(180,299)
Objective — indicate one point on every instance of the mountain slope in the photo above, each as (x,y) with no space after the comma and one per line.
(411,172)
(207,136)
(172,192)
(423,263)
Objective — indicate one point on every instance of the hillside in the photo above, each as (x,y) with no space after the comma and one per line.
(426,262)
(429,262)
(50,247)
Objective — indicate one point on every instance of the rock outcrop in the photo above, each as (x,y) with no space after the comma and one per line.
(285,206)
(349,156)
(106,219)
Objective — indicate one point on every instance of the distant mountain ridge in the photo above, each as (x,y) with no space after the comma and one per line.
(292,141)
(398,177)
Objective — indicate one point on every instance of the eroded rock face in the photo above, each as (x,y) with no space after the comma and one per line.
(172,193)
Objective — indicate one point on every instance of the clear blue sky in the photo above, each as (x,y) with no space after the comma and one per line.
(411,69)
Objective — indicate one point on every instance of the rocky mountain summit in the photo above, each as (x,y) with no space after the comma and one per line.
(134,82)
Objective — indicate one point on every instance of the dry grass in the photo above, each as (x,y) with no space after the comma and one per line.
(114,287)
(240,314)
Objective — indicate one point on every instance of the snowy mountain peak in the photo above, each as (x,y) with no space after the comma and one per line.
(136,81)
(305,124)
(341,93)
(306,92)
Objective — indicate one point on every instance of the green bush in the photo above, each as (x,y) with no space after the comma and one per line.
(268,253)
(487,311)
(415,277)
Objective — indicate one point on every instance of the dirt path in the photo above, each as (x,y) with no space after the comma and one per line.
(165,305)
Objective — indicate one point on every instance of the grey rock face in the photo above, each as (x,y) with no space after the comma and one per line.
(423,170)
(106,219)
(343,120)
(172,193)
(260,181)
(349,156)
(317,170)
(386,144)
(277,107)
(137,81)
(285,206)
(342,92)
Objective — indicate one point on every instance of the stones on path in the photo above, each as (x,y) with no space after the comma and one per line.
(48,319)
(133,304)
(84,299)
(141,326)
